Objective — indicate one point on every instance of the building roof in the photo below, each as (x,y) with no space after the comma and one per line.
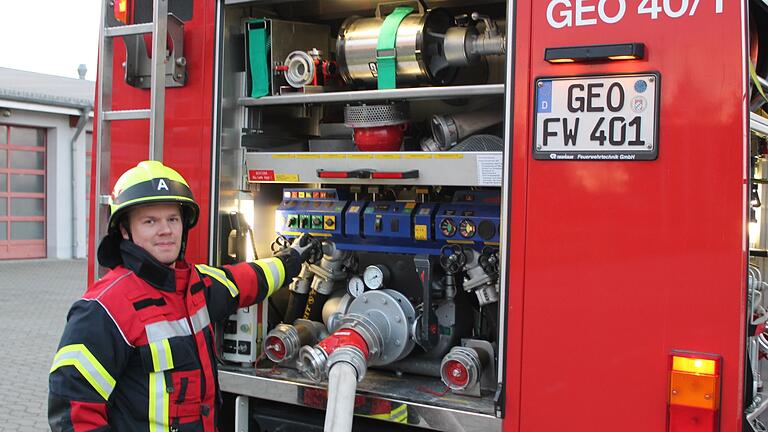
(23,86)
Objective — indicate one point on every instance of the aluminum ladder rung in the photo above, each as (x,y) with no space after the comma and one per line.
(137,114)
(128,30)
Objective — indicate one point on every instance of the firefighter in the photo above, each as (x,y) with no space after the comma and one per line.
(138,353)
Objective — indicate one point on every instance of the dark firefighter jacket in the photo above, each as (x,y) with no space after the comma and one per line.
(138,353)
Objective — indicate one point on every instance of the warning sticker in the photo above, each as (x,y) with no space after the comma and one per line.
(489,168)
(420,232)
(261,175)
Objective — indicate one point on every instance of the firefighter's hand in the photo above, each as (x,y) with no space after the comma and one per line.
(307,246)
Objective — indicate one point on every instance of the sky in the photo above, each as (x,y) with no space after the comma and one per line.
(50,36)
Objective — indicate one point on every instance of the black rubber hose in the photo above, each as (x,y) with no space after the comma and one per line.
(314,309)
(296,304)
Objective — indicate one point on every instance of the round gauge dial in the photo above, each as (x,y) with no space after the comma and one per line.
(355,286)
(448,227)
(467,228)
(376,276)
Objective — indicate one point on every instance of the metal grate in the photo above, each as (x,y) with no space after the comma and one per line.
(358,116)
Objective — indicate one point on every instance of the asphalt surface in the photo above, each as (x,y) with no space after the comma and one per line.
(34,299)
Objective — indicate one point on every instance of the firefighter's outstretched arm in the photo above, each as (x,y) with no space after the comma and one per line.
(240,285)
(91,357)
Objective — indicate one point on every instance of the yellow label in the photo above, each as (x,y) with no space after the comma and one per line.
(283,156)
(449,156)
(315,234)
(359,156)
(387,156)
(331,156)
(329,222)
(410,205)
(418,156)
(420,232)
(287,178)
(306,156)
(354,209)
(302,195)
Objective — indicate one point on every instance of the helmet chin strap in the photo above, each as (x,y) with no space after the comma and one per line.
(184,235)
(127,229)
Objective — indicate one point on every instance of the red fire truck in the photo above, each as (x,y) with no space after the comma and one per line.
(534,215)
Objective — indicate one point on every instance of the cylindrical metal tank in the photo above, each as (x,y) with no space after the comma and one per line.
(419,40)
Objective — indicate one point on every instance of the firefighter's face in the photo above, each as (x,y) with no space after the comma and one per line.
(157,228)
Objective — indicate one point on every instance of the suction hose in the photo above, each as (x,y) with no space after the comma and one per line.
(299,292)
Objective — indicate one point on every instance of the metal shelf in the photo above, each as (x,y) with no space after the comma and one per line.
(450,92)
(446,412)
(434,168)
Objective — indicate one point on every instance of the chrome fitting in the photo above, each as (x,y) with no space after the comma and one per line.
(461,368)
(282,343)
(312,363)
(351,355)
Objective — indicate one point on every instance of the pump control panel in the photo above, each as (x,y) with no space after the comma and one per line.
(472,217)
(315,211)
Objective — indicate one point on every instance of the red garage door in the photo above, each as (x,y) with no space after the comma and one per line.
(22,192)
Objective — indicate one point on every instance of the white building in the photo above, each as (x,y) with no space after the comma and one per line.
(45,141)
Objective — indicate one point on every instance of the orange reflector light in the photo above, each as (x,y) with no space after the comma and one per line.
(563,60)
(693,365)
(121,11)
(694,392)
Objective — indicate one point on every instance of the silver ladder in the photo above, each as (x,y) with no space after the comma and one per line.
(110,29)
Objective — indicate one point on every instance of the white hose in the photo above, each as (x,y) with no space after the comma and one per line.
(342,384)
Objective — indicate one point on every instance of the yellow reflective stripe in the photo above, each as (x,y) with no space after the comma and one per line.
(162,358)
(158,403)
(280,270)
(274,272)
(400,414)
(79,356)
(150,199)
(220,276)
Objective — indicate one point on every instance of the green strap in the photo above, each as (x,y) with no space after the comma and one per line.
(257,58)
(386,56)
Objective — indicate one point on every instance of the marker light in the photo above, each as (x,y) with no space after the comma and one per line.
(592,53)
(694,392)
(121,11)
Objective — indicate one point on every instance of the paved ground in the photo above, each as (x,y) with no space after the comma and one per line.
(34,299)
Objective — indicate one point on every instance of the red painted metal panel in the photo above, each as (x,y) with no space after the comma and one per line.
(615,264)
(188,122)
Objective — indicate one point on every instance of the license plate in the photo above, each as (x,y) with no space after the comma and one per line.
(611,117)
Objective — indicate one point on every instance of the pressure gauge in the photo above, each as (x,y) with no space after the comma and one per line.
(355,286)
(376,276)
